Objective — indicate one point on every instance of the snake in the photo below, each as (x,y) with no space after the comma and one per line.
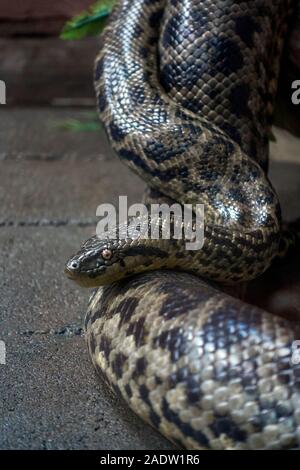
(185,92)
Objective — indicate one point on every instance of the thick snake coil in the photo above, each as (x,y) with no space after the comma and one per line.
(185,91)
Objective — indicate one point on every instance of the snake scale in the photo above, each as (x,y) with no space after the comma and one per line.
(185,91)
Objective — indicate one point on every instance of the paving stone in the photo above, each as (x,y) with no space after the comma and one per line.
(47,70)
(63,190)
(50,396)
(39,134)
(48,173)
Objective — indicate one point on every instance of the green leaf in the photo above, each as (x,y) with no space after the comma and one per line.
(88,23)
(75,125)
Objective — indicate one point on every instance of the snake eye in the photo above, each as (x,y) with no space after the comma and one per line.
(106,254)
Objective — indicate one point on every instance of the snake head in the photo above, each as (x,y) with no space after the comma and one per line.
(95,263)
(103,261)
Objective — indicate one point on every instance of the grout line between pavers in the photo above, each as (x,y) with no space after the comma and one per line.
(44,222)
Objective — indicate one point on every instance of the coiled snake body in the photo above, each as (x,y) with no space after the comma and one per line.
(204,368)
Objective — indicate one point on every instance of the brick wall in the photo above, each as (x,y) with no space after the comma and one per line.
(37,17)
(37,66)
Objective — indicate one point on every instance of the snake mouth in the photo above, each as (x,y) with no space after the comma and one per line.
(85,276)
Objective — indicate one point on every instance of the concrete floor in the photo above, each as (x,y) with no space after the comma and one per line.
(52,182)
